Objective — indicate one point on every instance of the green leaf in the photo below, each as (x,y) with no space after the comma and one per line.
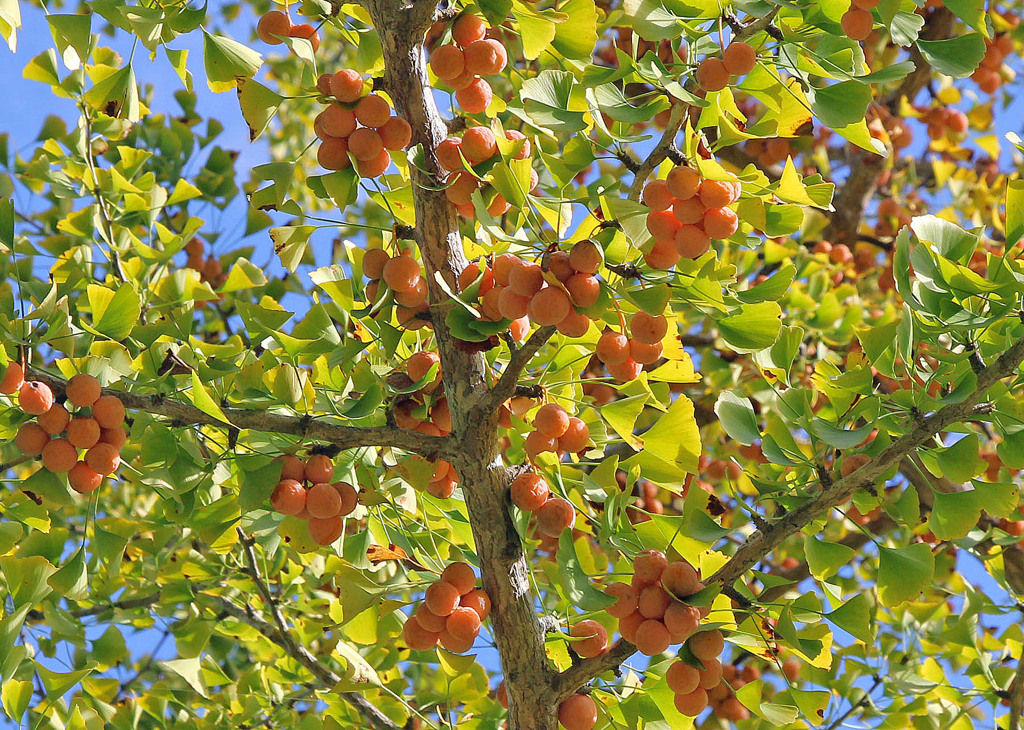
(226,61)
(576,583)
(42,68)
(258,475)
(972,12)
(888,74)
(841,104)
(1014,212)
(958,56)
(259,105)
(961,462)
(291,244)
(553,100)
(651,298)
(116,95)
(114,313)
(776,715)
(905,28)
(341,186)
(57,683)
(825,558)
(775,286)
(536,29)
(947,239)
(675,438)
(840,438)
(27,578)
(110,648)
(737,417)
(854,617)
(202,399)
(72,580)
(955,514)
(576,37)
(904,572)
(512,180)
(621,415)
(188,669)
(72,35)
(754,328)
(812,704)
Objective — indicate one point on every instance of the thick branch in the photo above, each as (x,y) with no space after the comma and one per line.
(762,542)
(1016,696)
(344,437)
(467,378)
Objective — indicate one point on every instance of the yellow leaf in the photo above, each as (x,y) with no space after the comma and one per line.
(791,186)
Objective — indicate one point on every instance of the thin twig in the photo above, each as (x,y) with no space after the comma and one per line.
(281,634)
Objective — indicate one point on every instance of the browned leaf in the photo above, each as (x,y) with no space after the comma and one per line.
(379,554)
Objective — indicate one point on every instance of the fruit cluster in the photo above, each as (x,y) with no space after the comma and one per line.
(402,275)
(987,76)
(99,432)
(426,411)
(557,432)
(531,493)
(858,21)
(518,290)
(323,503)
(451,613)
(477,146)
(942,121)
(687,212)
(462,63)
(210,268)
(624,357)
(714,74)
(692,684)
(274,26)
(650,610)
(358,124)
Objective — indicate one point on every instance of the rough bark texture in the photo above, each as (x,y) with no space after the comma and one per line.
(475,454)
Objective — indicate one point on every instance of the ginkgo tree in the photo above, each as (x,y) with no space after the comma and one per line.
(582,363)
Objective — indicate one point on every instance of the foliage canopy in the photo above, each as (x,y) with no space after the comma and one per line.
(547,337)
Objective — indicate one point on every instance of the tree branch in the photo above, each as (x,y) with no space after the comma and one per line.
(125,605)
(506,386)
(570,680)
(659,153)
(281,635)
(1016,696)
(344,437)
(760,543)
(864,166)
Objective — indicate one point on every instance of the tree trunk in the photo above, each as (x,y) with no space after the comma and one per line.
(483,476)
